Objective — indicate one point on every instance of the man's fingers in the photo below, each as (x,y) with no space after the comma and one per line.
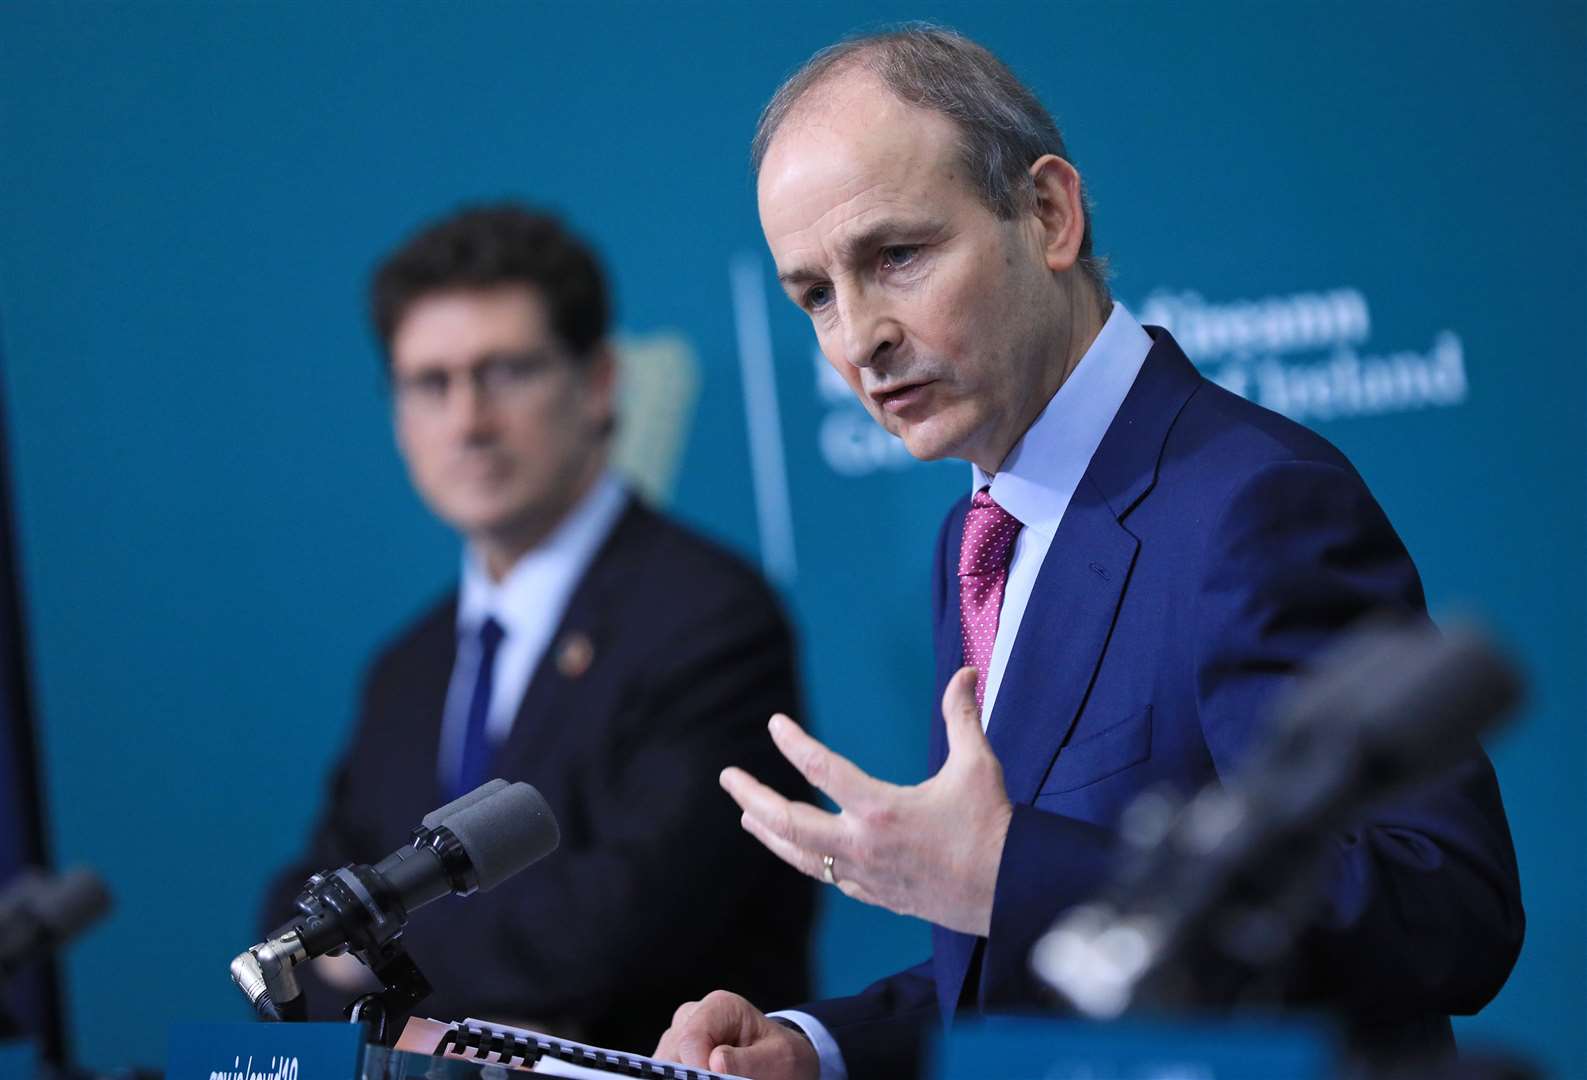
(667,1047)
(829,772)
(693,1048)
(801,859)
(698,1027)
(960,713)
(723,1023)
(854,890)
(798,823)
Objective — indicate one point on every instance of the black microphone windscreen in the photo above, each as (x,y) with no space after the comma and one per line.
(1391,705)
(73,902)
(505,832)
(1443,691)
(436,818)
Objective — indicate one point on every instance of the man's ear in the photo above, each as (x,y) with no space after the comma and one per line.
(1059,211)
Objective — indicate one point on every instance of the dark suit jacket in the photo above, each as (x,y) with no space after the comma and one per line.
(656,895)
(1210,551)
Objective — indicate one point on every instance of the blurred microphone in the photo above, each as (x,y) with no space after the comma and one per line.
(471,844)
(1213,894)
(40,912)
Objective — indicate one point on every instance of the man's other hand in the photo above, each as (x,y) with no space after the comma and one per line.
(931,850)
(725,1033)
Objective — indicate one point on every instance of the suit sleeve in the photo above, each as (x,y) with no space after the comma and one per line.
(880,1030)
(1423,909)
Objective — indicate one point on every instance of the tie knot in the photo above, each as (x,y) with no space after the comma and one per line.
(989,534)
(490,634)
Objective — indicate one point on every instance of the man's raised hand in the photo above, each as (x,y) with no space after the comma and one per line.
(931,850)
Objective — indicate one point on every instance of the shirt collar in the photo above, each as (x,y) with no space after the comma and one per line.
(1042,471)
(560,557)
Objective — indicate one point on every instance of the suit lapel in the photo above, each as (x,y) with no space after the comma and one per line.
(1084,576)
(1071,611)
(424,674)
(1060,642)
(547,714)
(1049,673)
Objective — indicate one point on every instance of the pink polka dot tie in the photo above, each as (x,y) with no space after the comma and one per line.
(989,533)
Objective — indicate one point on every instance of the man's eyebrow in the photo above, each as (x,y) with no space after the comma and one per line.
(861,244)
(799,276)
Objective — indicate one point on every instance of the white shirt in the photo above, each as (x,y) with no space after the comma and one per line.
(1035,484)
(528,603)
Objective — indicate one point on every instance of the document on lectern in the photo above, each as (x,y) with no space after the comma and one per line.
(518,1048)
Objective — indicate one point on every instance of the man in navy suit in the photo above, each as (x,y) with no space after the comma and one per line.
(1146,562)
(594,648)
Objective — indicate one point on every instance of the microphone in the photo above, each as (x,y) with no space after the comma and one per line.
(40,912)
(471,844)
(1213,893)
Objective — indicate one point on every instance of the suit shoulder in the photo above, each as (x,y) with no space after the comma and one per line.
(679,569)
(434,628)
(1243,435)
(1226,454)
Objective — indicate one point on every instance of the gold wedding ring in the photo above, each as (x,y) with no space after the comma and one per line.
(826,870)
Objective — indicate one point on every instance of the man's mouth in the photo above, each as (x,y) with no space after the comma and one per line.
(479,468)
(902,398)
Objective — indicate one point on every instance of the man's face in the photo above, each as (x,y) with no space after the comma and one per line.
(942,318)
(500,427)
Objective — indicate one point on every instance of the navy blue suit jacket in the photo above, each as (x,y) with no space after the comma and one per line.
(656,895)
(1212,548)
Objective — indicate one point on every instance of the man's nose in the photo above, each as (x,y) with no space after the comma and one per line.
(870,331)
(468,405)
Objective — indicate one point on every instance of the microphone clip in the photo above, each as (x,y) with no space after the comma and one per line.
(382,1012)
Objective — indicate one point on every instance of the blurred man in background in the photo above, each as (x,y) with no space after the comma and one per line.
(593,648)
(1145,563)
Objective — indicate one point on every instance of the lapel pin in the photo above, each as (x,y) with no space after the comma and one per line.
(575,654)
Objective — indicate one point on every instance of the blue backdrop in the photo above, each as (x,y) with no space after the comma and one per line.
(1369,215)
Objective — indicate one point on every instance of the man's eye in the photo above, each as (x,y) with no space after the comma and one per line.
(508,371)
(429,385)
(817,296)
(898,256)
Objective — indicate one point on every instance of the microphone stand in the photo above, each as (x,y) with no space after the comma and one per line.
(382,1012)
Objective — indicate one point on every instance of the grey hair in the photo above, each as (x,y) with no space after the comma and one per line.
(1003,129)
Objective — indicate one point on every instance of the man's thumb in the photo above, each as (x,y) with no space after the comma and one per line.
(960,712)
(764,1058)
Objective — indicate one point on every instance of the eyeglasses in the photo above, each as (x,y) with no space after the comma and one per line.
(495,379)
